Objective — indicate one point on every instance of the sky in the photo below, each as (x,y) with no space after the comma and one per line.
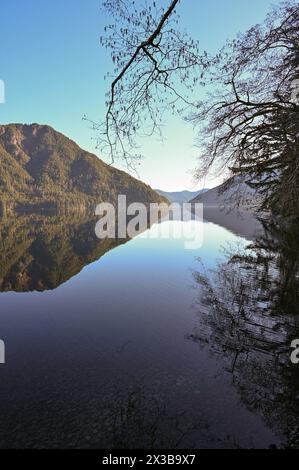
(53,68)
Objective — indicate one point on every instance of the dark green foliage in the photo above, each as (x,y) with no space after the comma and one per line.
(42,168)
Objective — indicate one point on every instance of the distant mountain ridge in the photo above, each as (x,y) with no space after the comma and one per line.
(41,168)
(180,196)
(233,193)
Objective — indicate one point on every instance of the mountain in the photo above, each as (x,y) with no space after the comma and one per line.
(180,196)
(232,194)
(40,168)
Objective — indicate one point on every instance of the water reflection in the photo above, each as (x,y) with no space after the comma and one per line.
(41,253)
(248,316)
(106,360)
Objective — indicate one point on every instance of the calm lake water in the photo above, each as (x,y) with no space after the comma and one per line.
(146,344)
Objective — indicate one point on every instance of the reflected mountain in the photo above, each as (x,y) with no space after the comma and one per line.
(40,253)
(237,221)
(248,311)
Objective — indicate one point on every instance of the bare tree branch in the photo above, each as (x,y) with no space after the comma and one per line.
(153,64)
(248,120)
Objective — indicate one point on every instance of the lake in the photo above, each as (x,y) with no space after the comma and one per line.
(145,344)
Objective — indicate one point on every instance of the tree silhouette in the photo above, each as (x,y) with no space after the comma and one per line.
(248,119)
(153,62)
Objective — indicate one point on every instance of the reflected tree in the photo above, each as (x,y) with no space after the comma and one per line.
(248,314)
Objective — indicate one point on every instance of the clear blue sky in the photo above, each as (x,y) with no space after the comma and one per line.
(53,68)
